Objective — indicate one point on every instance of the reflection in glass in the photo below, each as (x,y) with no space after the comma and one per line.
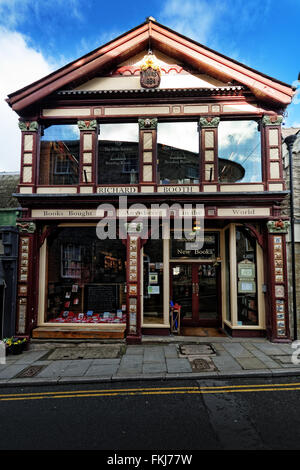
(118,154)
(59,155)
(239,152)
(246,278)
(153,281)
(178,153)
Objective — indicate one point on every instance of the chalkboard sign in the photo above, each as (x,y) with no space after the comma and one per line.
(102,297)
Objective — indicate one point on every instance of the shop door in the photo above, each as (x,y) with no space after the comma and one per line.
(195,286)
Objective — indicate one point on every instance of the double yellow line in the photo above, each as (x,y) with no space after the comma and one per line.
(151,391)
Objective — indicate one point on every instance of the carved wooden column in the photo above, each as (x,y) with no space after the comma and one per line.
(208,131)
(278,282)
(31,131)
(88,160)
(26,278)
(271,141)
(133,327)
(148,154)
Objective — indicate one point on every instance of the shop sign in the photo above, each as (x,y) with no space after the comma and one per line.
(209,250)
(117,189)
(244,212)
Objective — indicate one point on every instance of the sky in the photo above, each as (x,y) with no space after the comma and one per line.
(39,37)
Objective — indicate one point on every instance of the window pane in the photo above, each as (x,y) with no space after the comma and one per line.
(239,152)
(118,156)
(227,274)
(59,156)
(246,278)
(153,281)
(178,153)
(86,278)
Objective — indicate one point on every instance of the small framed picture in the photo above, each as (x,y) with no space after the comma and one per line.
(153,278)
(278,240)
(132,289)
(279,291)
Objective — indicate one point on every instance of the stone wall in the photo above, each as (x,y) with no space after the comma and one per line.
(286,211)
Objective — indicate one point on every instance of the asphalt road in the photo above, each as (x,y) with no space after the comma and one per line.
(256,414)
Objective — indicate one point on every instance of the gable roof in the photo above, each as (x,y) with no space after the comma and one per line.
(167,41)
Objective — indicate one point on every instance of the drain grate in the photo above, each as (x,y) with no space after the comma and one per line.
(97,352)
(30,371)
(201,364)
(197,350)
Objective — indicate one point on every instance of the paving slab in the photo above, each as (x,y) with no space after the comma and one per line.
(104,362)
(178,365)
(55,369)
(251,363)
(29,357)
(135,350)
(225,362)
(106,370)
(76,368)
(154,368)
(154,355)
(10,371)
(268,348)
(237,350)
(171,351)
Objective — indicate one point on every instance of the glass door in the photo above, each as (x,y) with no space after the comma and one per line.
(195,286)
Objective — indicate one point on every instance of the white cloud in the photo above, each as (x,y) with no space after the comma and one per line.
(20,65)
(194,19)
(236,134)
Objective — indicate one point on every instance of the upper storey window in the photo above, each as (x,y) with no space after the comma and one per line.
(118,154)
(178,153)
(239,147)
(59,156)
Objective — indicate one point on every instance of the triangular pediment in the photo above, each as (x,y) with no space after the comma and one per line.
(126,75)
(185,64)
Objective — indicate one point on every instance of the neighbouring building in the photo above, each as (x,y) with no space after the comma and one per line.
(161,119)
(9,213)
(296,190)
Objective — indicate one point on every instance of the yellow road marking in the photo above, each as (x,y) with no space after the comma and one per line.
(221,387)
(153,391)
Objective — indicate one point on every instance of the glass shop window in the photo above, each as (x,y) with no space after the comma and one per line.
(86,278)
(153,282)
(227,275)
(239,147)
(118,154)
(178,153)
(59,155)
(247,308)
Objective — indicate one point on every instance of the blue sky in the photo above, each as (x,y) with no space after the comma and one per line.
(39,37)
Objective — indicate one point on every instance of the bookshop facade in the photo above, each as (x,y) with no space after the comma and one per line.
(109,149)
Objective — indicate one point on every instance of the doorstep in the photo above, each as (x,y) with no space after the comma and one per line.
(71,332)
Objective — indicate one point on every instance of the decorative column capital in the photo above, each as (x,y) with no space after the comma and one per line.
(29,126)
(26,227)
(278,226)
(271,120)
(87,125)
(147,123)
(209,122)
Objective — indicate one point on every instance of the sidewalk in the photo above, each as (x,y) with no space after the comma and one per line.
(156,358)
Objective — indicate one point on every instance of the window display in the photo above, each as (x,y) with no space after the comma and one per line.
(153,281)
(246,278)
(86,278)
